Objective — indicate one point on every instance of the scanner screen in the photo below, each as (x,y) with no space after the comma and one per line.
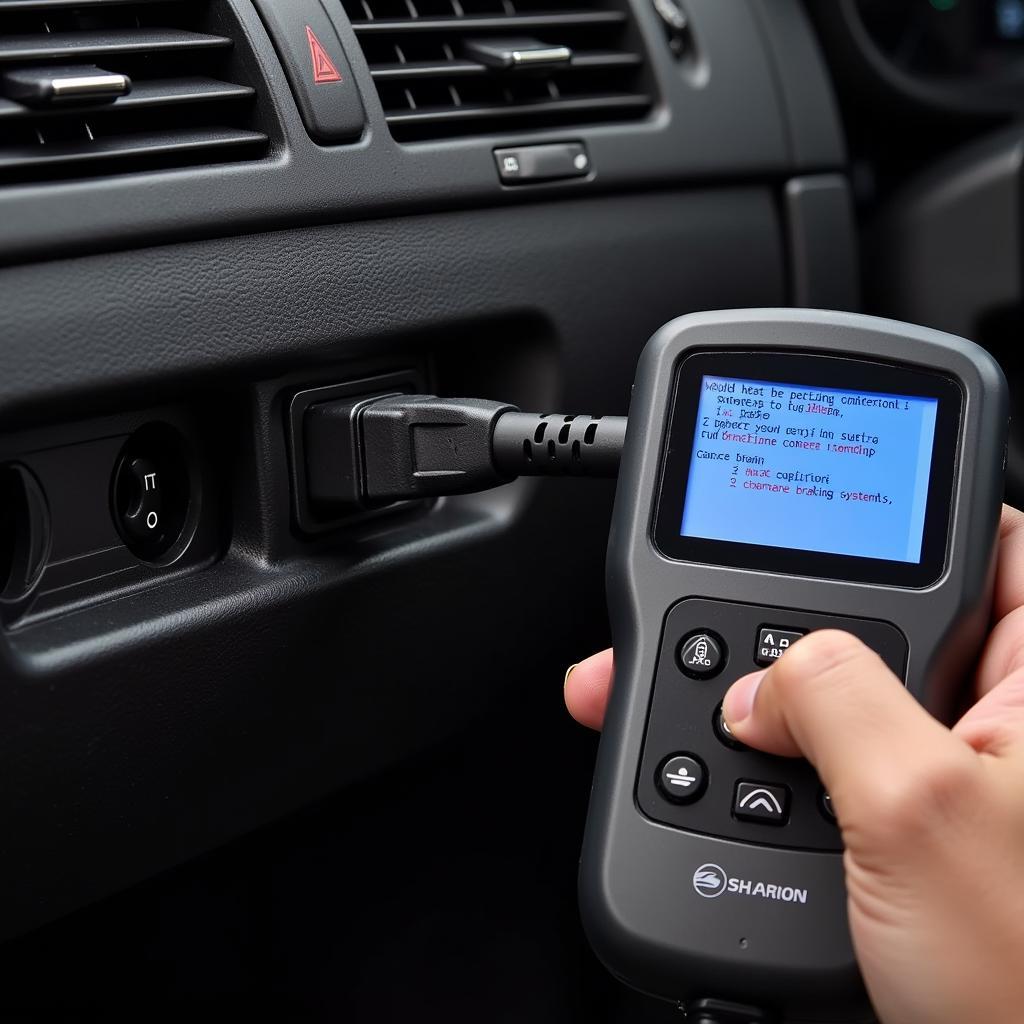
(816,469)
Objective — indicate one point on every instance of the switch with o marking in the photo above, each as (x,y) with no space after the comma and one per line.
(151,491)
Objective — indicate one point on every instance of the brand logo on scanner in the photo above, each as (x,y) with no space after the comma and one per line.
(709,881)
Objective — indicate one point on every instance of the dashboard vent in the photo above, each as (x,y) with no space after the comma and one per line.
(93,87)
(457,67)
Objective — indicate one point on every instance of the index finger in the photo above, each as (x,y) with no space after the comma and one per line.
(1009,587)
(586,689)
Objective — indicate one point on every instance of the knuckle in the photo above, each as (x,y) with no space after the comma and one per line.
(926,800)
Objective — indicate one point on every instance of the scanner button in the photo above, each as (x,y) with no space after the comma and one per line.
(763,802)
(826,807)
(773,643)
(701,655)
(682,778)
(724,733)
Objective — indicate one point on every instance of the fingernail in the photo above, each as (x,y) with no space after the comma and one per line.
(739,701)
(568,672)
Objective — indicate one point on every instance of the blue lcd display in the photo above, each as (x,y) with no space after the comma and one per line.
(816,469)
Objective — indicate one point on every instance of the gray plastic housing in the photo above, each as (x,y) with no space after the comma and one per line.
(640,909)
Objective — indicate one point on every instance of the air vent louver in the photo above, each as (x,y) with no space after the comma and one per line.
(424,56)
(93,87)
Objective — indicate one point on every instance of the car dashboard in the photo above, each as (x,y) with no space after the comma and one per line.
(214,211)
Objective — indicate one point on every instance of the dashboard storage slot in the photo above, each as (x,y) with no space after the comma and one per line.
(102,87)
(459,67)
(24,535)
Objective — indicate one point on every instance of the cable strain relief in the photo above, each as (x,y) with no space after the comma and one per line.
(551,444)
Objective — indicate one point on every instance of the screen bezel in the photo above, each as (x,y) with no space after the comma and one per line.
(847,373)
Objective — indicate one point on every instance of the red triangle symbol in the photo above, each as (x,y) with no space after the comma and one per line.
(323,67)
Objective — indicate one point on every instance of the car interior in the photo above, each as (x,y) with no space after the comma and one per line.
(268,753)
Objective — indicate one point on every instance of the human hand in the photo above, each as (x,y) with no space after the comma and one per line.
(932,818)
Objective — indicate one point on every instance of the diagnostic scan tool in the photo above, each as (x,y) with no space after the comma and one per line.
(784,471)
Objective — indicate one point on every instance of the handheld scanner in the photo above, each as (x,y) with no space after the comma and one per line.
(784,471)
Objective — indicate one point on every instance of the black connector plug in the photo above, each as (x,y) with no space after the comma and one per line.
(421,446)
(372,452)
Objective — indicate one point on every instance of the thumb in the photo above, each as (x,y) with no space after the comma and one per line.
(833,700)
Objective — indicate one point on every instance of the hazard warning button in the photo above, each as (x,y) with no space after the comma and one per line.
(324,69)
(317,68)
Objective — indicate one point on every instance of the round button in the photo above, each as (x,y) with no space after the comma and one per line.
(701,655)
(826,807)
(723,732)
(152,491)
(682,778)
